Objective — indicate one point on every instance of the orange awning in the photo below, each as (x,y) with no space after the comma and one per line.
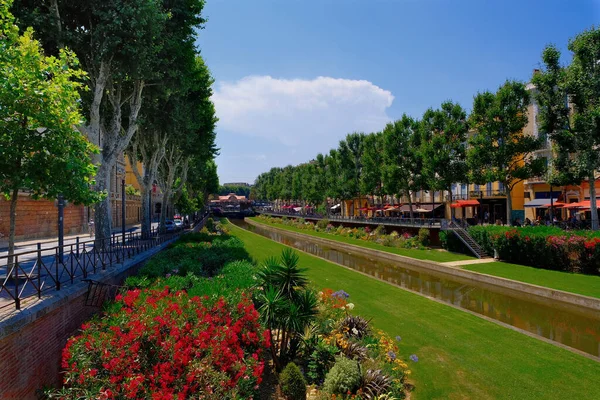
(465,203)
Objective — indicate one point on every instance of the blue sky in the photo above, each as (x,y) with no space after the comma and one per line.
(294,77)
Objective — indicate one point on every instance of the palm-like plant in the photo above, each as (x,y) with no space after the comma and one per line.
(285,303)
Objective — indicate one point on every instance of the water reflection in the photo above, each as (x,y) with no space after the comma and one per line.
(576,327)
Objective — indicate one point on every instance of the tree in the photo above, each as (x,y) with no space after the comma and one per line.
(372,162)
(444,136)
(575,131)
(40,151)
(120,43)
(351,151)
(402,167)
(500,150)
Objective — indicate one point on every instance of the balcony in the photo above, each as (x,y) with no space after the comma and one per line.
(477,194)
(534,180)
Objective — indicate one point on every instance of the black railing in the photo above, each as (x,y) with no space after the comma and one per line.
(404,222)
(34,273)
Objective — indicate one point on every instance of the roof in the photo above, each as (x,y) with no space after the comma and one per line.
(229,197)
(539,203)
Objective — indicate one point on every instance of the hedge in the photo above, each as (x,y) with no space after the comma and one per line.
(540,247)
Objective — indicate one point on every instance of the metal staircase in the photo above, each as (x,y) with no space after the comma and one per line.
(464,236)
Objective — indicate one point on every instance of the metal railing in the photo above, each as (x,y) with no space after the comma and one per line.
(403,222)
(33,273)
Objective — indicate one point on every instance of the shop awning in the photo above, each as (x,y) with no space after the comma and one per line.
(557,204)
(465,203)
(539,203)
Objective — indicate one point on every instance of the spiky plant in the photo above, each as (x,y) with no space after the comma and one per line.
(354,351)
(355,326)
(375,384)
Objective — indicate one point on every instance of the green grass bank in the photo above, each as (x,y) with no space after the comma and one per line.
(587,285)
(461,356)
(432,255)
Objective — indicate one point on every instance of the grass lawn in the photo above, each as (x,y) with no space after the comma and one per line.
(432,255)
(460,355)
(587,285)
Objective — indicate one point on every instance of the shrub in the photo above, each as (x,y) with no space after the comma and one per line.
(293,385)
(210,225)
(156,344)
(322,223)
(423,236)
(320,361)
(541,247)
(354,326)
(201,259)
(344,377)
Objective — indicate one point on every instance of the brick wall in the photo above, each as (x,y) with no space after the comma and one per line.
(31,357)
(39,218)
(32,340)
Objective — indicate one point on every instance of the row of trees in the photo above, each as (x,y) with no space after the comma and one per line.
(446,146)
(136,85)
(431,153)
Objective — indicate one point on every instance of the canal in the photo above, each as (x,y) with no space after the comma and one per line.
(572,326)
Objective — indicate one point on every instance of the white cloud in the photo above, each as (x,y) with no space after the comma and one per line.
(297,111)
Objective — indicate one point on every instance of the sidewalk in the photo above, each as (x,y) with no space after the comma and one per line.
(25,243)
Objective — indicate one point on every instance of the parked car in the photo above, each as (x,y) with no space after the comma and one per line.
(178,224)
(170,226)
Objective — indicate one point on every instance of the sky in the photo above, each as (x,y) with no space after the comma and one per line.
(293,77)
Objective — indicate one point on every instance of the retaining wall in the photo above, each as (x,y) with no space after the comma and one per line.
(32,339)
(526,289)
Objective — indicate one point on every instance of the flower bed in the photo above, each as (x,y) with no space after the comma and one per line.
(157,344)
(180,333)
(541,247)
(394,239)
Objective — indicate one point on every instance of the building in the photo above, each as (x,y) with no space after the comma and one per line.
(537,191)
(230,202)
(39,218)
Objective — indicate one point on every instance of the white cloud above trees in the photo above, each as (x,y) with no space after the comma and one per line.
(292,111)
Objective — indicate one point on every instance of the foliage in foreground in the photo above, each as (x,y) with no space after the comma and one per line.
(158,344)
(293,384)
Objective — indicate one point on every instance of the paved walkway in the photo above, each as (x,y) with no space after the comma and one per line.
(468,262)
(31,244)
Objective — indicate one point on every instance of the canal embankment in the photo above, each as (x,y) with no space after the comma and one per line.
(461,355)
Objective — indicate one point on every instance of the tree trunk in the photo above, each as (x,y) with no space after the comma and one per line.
(450,199)
(508,206)
(163,210)
(146,221)
(102,215)
(593,203)
(13,216)
(410,205)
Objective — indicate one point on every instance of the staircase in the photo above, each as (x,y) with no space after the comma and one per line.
(464,236)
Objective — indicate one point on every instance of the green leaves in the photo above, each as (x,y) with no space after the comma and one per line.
(40,149)
(499,149)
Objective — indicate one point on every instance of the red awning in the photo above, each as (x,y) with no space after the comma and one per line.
(555,204)
(465,203)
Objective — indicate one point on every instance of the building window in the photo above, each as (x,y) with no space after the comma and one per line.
(476,189)
(500,187)
(488,188)
(463,190)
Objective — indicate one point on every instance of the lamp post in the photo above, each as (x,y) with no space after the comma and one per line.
(123,208)
(61,230)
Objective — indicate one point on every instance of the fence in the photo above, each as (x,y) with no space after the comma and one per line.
(402,222)
(33,273)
